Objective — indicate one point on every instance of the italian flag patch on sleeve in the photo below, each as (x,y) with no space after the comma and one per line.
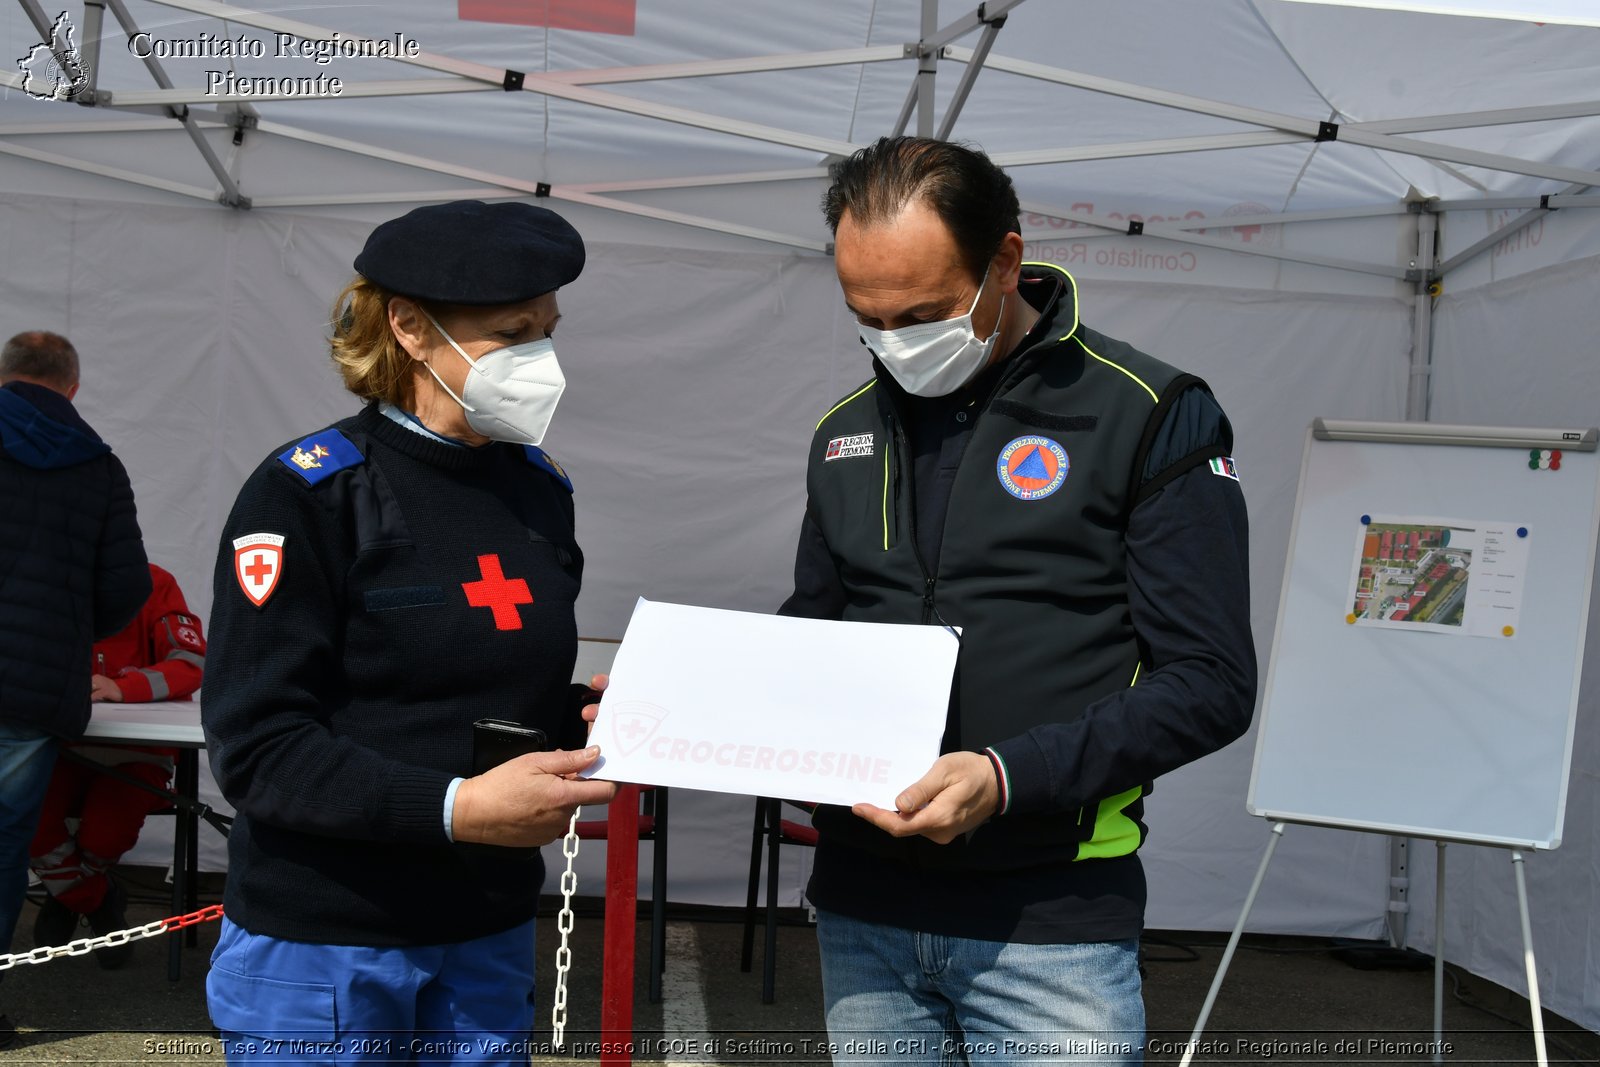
(1223,465)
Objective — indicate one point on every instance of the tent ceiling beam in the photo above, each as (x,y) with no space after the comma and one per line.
(1171,146)
(1169,232)
(534,188)
(701,181)
(1483,244)
(494,77)
(1508,202)
(991,15)
(1310,129)
(455,83)
(33,129)
(350,90)
(534,83)
(1270,219)
(969,75)
(104,171)
(428,196)
(230,195)
(1467,119)
(714,67)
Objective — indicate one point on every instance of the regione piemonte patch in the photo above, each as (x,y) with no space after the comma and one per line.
(258,564)
(848,447)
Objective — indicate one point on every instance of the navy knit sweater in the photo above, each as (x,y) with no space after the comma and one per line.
(420,587)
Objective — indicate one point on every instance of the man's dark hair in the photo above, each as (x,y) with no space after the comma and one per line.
(42,356)
(973,197)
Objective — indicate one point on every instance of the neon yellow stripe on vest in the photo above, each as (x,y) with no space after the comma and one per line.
(1114,833)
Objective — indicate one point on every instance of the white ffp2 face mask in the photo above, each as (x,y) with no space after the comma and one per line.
(933,358)
(510,393)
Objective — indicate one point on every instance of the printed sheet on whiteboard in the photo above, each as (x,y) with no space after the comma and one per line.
(1445,576)
(763,705)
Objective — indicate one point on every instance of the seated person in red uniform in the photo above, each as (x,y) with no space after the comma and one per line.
(158,656)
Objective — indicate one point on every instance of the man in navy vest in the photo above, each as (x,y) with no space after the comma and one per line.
(1071,505)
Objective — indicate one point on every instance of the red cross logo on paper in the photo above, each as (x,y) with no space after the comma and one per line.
(258,564)
(633,723)
(498,593)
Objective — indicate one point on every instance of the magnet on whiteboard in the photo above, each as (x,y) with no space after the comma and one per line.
(1522,531)
(1507,630)
(1366,520)
(1350,618)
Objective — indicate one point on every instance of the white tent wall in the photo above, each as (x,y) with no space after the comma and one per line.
(696,379)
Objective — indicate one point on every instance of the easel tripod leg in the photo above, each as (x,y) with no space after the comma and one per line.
(1527,957)
(1233,943)
(1438,958)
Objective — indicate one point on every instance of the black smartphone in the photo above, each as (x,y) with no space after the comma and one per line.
(496,740)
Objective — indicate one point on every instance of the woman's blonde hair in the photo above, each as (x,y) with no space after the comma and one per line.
(370,359)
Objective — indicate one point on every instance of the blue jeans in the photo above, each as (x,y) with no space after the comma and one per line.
(899,996)
(279,1002)
(27,756)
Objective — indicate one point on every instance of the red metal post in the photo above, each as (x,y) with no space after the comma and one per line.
(622,887)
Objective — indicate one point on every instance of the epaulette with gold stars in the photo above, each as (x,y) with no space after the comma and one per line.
(322,454)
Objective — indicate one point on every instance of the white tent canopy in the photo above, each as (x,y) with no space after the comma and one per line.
(1323,210)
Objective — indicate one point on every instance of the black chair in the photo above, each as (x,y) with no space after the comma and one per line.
(652,827)
(778,831)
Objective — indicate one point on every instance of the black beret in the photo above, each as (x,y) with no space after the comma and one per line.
(469,252)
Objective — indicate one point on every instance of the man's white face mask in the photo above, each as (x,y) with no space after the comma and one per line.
(933,358)
(510,393)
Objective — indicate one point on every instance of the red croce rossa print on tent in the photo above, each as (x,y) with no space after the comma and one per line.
(595,16)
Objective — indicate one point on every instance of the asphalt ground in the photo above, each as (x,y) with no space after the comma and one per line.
(1286,1001)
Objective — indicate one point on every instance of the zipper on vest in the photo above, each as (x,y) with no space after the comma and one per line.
(929,582)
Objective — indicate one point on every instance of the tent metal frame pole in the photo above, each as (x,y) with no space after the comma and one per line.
(1310,129)
(459,83)
(1468,119)
(230,195)
(1170,146)
(1269,219)
(1419,385)
(927,68)
(952,111)
(104,171)
(539,189)
(94,13)
(989,13)
(1507,202)
(1522,221)
(559,88)
(703,181)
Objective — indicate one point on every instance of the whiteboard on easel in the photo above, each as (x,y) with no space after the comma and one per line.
(1425,665)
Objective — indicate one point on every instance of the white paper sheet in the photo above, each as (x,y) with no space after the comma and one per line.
(735,702)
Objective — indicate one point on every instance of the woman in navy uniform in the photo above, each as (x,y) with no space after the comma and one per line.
(381,584)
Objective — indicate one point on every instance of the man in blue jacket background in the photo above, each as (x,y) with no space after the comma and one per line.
(72,570)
